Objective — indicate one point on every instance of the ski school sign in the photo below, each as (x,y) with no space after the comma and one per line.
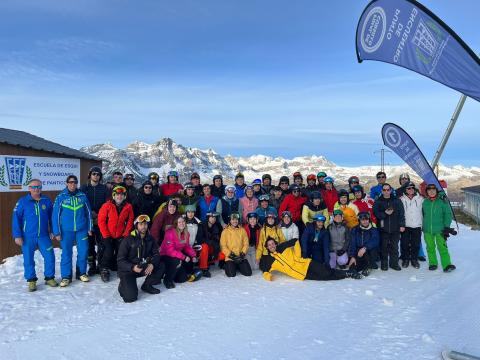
(17,171)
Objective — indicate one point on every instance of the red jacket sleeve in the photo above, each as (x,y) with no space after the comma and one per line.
(129,226)
(102,221)
(283,206)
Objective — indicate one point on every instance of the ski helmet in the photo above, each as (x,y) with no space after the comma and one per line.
(321,174)
(403,176)
(328,179)
(284,179)
(311,177)
(353,179)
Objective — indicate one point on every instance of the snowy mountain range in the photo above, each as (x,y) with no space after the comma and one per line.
(141,158)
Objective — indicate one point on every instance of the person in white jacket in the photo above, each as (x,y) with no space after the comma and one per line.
(410,240)
(288,227)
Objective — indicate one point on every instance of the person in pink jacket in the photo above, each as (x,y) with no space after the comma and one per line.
(249,203)
(176,252)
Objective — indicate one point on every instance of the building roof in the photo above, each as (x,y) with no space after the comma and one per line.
(474,189)
(26,140)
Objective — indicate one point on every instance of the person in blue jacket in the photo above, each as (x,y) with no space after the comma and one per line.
(31,229)
(364,243)
(264,208)
(72,221)
(315,241)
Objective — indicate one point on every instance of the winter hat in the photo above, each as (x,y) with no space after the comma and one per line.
(266,176)
(239,175)
(194,176)
(190,208)
(229,188)
(337,212)
(95,169)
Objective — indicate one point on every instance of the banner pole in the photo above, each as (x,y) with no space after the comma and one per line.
(450,127)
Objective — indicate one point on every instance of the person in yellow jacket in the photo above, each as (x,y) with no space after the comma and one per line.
(349,209)
(234,245)
(286,258)
(315,206)
(269,230)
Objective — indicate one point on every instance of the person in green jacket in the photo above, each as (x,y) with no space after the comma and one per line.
(437,218)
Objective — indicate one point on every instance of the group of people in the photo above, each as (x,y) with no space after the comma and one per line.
(174,233)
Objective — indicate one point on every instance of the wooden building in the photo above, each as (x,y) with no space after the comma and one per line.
(17,147)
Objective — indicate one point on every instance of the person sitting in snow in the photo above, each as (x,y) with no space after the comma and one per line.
(364,243)
(234,245)
(287,258)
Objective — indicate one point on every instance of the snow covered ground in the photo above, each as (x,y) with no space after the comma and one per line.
(412,314)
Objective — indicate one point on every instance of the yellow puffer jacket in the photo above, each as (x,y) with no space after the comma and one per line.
(266,232)
(308,214)
(290,262)
(233,240)
(350,213)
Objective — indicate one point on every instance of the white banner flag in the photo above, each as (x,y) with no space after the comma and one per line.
(17,171)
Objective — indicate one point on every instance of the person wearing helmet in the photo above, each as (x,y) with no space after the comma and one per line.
(391,220)
(117,179)
(286,258)
(363,202)
(164,220)
(115,220)
(147,202)
(267,184)
(72,221)
(364,242)
(210,242)
(284,184)
(240,185)
(288,227)
(404,180)
(253,232)
(172,186)
(189,195)
(195,180)
(410,239)
(234,245)
(257,188)
(349,209)
(218,189)
(129,180)
(437,219)
(269,230)
(315,240)
(227,205)
(311,185)
(157,190)
(298,179)
(321,175)
(264,208)
(96,193)
(195,231)
(177,253)
(207,203)
(138,256)
(277,197)
(315,205)
(294,203)
(249,203)
(339,240)
(329,194)
(352,181)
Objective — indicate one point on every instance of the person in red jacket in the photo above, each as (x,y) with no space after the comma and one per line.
(163,221)
(115,220)
(329,194)
(172,186)
(175,252)
(363,202)
(293,202)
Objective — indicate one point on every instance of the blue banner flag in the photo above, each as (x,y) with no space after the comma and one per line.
(407,34)
(395,138)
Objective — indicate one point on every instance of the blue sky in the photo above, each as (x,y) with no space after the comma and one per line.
(242,77)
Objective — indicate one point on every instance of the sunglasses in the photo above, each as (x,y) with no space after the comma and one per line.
(129,178)
(410,188)
(36,187)
(147,187)
(381,177)
(386,190)
(72,182)
(95,174)
(295,191)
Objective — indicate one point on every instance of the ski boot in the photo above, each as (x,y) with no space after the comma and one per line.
(206,273)
(432,267)
(51,282)
(405,263)
(169,284)
(197,274)
(149,289)
(105,275)
(354,274)
(395,267)
(365,272)
(65,282)
(84,278)
(384,266)
(32,285)
(92,267)
(416,264)
(449,268)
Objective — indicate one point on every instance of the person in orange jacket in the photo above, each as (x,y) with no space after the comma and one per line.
(115,220)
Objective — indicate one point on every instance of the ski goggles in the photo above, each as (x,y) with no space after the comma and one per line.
(141,219)
(263,198)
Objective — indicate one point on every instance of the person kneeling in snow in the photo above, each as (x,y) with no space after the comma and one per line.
(364,244)
(287,259)
(137,257)
(234,245)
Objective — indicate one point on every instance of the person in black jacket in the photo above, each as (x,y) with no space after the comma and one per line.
(129,180)
(97,195)
(137,257)
(210,241)
(391,222)
(146,202)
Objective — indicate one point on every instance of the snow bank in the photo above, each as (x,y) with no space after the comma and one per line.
(412,314)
